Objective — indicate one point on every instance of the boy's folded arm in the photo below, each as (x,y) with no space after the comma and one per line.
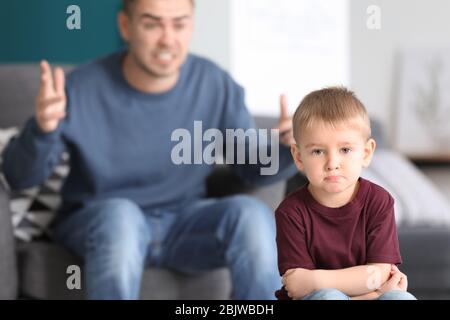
(354,281)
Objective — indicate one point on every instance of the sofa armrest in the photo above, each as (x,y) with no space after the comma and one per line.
(8,258)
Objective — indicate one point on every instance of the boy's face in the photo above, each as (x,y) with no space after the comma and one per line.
(332,158)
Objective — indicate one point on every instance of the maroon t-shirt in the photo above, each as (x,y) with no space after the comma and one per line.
(313,236)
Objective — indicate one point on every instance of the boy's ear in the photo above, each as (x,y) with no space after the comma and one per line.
(295,152)
(369,149)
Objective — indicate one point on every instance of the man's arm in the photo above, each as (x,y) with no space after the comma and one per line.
(354,281)
(30,157)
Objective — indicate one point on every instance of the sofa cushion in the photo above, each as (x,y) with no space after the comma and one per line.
(33,209)
(417,200)
(43,275)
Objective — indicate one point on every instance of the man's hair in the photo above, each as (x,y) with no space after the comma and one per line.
(127,4)
(333,106)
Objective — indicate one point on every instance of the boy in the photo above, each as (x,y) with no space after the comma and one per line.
(336,236)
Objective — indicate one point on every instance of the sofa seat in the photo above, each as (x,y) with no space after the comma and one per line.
(426,260)
(43,275)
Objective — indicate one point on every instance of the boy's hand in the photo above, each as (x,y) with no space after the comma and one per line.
(298,283)
(51,100)
(285,124)
(397,281)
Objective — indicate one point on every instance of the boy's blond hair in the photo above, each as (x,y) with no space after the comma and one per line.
(333,106)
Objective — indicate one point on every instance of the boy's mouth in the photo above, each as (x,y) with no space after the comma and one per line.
(333,178)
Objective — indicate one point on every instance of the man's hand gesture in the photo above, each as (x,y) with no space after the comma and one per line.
(285,124)
(51,99)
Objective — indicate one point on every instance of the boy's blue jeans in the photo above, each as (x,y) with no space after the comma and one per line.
(334,294)
(117,240)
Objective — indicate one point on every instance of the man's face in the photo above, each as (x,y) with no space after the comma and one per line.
(333,158)
(158,33)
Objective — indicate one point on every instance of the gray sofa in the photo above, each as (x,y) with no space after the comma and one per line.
(38,269)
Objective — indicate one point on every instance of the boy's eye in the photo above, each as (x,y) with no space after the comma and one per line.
(317,152)
(346,150)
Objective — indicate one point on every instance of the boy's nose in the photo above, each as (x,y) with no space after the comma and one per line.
(333,167)
(333,163)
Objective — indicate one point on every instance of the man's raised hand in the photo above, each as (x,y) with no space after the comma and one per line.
(285,123)
(51,99)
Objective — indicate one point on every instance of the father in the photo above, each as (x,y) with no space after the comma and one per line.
(126,205)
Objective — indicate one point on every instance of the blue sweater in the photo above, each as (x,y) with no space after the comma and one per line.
(119,139)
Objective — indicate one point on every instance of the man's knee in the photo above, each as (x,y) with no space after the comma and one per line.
(117,220)
(251,230)
(397,295)
(116,205)
(117,211)
(250,217)
(249,210)
(326,294)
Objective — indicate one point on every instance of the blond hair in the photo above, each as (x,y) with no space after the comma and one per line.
(333,106)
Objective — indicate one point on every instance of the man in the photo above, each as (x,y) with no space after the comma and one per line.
(126,205)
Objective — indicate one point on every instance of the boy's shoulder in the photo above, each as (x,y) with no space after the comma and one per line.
(376,196)
(295,201)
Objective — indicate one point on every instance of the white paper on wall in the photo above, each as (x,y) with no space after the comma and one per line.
(422,107)
(288,46)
